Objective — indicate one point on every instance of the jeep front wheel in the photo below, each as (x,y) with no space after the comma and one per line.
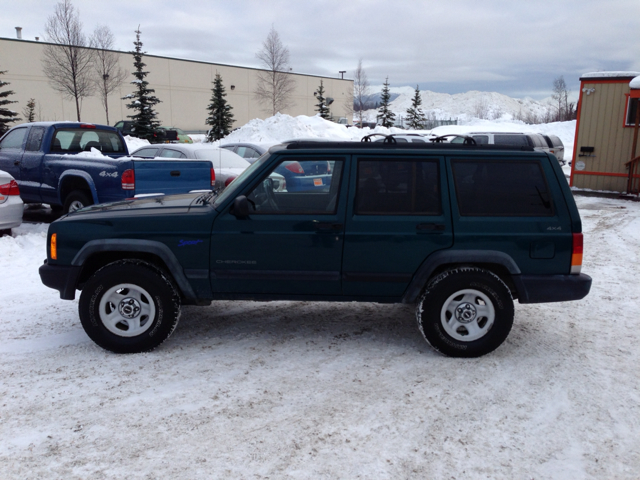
(466,312)
(129,307)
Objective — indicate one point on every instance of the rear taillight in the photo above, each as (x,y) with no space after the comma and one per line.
(10,188)
(228,181)
(295,167)
(213,177)
(576,254)
(128,180)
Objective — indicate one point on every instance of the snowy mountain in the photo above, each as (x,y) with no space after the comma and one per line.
(466,106)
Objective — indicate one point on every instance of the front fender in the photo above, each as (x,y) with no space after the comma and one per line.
(147,246)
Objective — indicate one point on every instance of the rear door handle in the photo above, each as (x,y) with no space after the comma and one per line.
(328,226)
(175,173)
(430,227)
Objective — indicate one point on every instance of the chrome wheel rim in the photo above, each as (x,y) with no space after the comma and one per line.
(127,310)
(467,315)
(75,205)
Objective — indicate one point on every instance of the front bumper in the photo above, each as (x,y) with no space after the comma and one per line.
(63,278)
(551,288)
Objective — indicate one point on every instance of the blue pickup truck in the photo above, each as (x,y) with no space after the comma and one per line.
(71,165)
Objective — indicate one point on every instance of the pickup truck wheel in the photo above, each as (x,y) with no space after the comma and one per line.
(466,312)
(75,201)
(129,306)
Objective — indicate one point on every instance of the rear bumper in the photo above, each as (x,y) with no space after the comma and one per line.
(551,288)
(63,278)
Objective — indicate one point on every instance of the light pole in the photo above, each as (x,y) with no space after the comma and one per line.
(342,72)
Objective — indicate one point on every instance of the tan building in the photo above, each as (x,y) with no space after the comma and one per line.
(604,131)
(184,86)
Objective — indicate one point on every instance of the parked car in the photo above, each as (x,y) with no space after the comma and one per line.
(515,139)
(556,147)
(182,136)
(457,230)
(226,164)
(405,137)
(161,135)
(300,176)
(11,205)
(125,127)
(249,151)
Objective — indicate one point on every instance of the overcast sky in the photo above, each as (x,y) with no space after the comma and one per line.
(512,47)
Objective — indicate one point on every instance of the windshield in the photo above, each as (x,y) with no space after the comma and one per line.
(234,186)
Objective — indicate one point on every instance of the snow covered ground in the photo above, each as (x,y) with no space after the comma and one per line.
(321,390)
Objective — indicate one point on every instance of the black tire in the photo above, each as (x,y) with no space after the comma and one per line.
(465,312)
(76,200)
(129,306)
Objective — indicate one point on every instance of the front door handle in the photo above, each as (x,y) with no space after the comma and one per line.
(175,173)
(328,226)
(16,162)
(430,227)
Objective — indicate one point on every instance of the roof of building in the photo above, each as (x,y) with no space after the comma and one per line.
(609,75)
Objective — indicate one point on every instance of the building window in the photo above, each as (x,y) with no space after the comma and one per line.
(632,107)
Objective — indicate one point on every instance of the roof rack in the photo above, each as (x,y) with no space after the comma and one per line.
(306,145)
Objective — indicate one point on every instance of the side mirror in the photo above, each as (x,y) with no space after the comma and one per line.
(240,208)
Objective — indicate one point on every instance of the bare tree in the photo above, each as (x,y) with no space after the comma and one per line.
(561,97)
(108,76)
(361,91)
(68,64)
(274,85)
(481,108)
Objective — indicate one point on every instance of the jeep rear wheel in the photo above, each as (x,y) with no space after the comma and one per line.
(466,312)
(129,306)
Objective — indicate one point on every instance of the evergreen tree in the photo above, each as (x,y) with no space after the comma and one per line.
(415,116)
(29,111)
(322,109)
(220,117)
(385,116)
(6,116)
(142,100)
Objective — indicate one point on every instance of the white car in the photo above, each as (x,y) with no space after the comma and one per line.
(226,164)
(11,205)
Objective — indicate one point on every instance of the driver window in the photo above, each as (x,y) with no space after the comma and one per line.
(300,186)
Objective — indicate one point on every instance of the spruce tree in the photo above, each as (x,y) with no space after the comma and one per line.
(144,122)
(220,117)
(416,119)
(322,109)
(385,116)
(6,116)
(29,111)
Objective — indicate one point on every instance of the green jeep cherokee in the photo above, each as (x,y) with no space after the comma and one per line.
(459,230)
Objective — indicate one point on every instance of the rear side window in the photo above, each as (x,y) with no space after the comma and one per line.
(481,139)
(145,152)
(395,187)
(35,139)
(501,188)
(517,140)
(168,153)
